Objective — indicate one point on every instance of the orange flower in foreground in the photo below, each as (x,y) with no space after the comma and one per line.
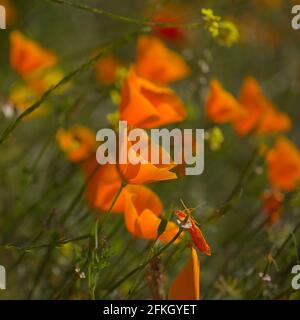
(261,115)
(142,210)
(157,63)
(144,171)
(147,105)
(78,142)
(221,106)
(186,285)
(283,162)
(191,226)
(103,184)
(106,70)
(272,201)
(27,56)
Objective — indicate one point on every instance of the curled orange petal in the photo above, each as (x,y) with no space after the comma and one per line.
(145,171)
(142,210)
(186,285)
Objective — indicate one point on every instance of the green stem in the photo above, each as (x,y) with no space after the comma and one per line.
(143,265)
(126,19)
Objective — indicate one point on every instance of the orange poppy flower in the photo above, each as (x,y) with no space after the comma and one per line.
(144,171)
(78,142)
(186,285)
(142,210)
(103,185)
(106,70)
(27,56)
(157,63)
(272,201)
(147,105)
(221,106)
(197,237)
(261,115)
(283,162)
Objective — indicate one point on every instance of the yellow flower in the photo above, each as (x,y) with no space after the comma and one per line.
(215,138)
(225,32)
(228,33)
(211,22)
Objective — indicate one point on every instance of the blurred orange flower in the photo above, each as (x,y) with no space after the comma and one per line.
(147,105)
(190,225)
(157,63)
(106,70)
(186,285)
(78,142)
(221,106)
(260,114)
(142,210)
(27,56)
(272,201)
(283,162)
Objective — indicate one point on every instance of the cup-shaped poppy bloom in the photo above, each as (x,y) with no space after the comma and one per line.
(272,201)
(186,285)
(283,164)
(103,185)
(106,70)
(78,142)
(261,115)
(190,224)
(142,210)
(157,63)
(139,167)
(221,106)
(147,105)
(27,56)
